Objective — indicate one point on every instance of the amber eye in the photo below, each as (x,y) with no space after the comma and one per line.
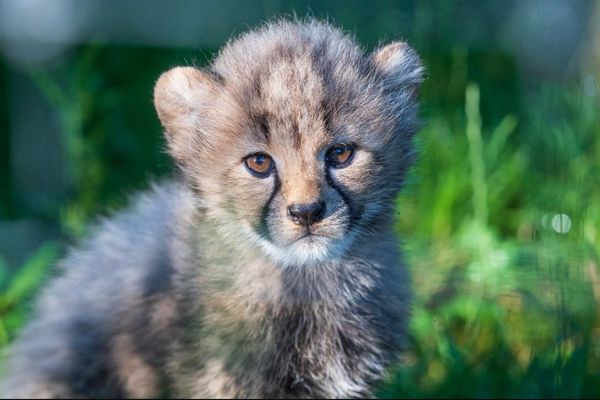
(340,155)
(259,164)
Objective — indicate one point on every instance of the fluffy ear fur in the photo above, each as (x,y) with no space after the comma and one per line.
(400,67)
(181,96)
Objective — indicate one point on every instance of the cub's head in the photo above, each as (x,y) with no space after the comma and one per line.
(296,141)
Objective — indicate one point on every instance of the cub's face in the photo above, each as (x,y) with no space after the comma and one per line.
(295,141)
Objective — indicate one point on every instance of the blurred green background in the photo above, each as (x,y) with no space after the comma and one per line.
(500,218)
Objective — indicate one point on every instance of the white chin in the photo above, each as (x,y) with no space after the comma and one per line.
(308,250)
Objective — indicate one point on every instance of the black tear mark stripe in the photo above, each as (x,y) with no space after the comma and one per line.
(354,210)
(263,228)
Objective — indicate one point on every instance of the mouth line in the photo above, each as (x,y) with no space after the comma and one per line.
(307,234)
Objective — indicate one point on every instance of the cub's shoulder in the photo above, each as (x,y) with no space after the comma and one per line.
(126,256)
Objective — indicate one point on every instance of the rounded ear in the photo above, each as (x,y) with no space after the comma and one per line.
(180,97)
(400,66)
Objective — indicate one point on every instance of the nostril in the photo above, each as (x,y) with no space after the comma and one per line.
(306,214)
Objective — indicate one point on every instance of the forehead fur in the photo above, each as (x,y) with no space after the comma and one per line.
(299,79)
(308,50)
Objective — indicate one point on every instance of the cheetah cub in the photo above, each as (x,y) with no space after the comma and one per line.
(268,267)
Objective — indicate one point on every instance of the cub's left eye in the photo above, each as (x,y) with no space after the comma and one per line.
(340,155)
(259,164)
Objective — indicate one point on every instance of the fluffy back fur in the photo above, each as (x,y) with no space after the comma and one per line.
(206,287)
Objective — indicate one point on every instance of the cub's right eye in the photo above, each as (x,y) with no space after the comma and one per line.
(259,164)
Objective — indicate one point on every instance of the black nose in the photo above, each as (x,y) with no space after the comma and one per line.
(306,214)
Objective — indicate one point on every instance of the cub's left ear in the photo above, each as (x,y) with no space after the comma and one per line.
(400,67)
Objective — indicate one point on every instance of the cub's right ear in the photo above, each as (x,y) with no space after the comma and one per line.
(181,96)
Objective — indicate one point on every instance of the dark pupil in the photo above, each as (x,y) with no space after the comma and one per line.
(339,151)
(260,159)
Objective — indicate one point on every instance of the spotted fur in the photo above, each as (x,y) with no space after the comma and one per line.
(204,287)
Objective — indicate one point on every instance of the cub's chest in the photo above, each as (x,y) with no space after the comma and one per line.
(325,355)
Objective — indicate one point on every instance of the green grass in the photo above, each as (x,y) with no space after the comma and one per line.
(17,290)
(505,304)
